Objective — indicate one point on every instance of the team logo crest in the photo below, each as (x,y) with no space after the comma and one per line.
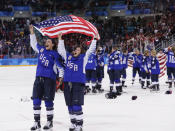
(69,58)
(42,49)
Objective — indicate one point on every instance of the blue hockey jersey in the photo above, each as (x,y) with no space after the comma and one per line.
(125,60)
(117,60)
(155,69)
(170,59)
(137,59)
(100,60)
(145,64)
(75,66)
(74,69)
(92,62)
(111,61)
(46,61)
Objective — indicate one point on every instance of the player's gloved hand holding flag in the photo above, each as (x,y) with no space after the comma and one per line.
(66,24)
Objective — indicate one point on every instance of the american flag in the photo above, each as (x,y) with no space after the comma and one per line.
(162,63)
(65,25)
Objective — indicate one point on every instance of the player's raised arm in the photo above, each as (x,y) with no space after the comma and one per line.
(165,50)
(33,41)
(91,49)
(61,47)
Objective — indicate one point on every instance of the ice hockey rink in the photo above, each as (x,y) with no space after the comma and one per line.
(150,112)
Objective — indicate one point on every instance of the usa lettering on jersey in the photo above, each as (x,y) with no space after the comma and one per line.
(72,66)
(44,60)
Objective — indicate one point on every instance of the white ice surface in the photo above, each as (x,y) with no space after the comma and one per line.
(150,112)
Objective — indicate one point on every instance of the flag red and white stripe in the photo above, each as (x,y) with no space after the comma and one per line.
(66,25)
(162,63)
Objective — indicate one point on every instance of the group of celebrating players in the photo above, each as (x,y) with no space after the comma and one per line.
(146,65)
(80,69)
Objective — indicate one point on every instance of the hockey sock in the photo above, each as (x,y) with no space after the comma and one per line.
(99,86)
(71,114)
(142,84)
(94,88)
(49,113)
(94,85)
(77,111)
(118,90)
(37,109)
(111,88)
(170,84)
(140,79)
(49,110)
(158,87)
(133,79)
(123,83)
(147,83)
(87,85)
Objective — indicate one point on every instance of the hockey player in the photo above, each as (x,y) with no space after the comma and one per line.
(155,71)
(100,68)
(45,82)
(170,64)
(145,69)
(117,69)
(91,73)
(148,63)
(137,58)
(111,72)
(124,66)
(74,81)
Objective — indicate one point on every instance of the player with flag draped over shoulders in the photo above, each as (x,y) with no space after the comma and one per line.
(45,82)
(74,81)
(170,64)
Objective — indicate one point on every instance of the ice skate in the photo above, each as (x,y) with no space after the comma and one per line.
(94,91)
(48,125)
(143,87)
(36,126)
(170,85)
(100,90)
(78,128)
(87,90)
(72,127)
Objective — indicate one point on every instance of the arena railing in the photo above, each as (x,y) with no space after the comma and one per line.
(169,41)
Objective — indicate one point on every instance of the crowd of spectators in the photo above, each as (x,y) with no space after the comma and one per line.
(130,32)
(7,5)
(146,32)
(56,6)
(14,38)
(139,5)
(43,5)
